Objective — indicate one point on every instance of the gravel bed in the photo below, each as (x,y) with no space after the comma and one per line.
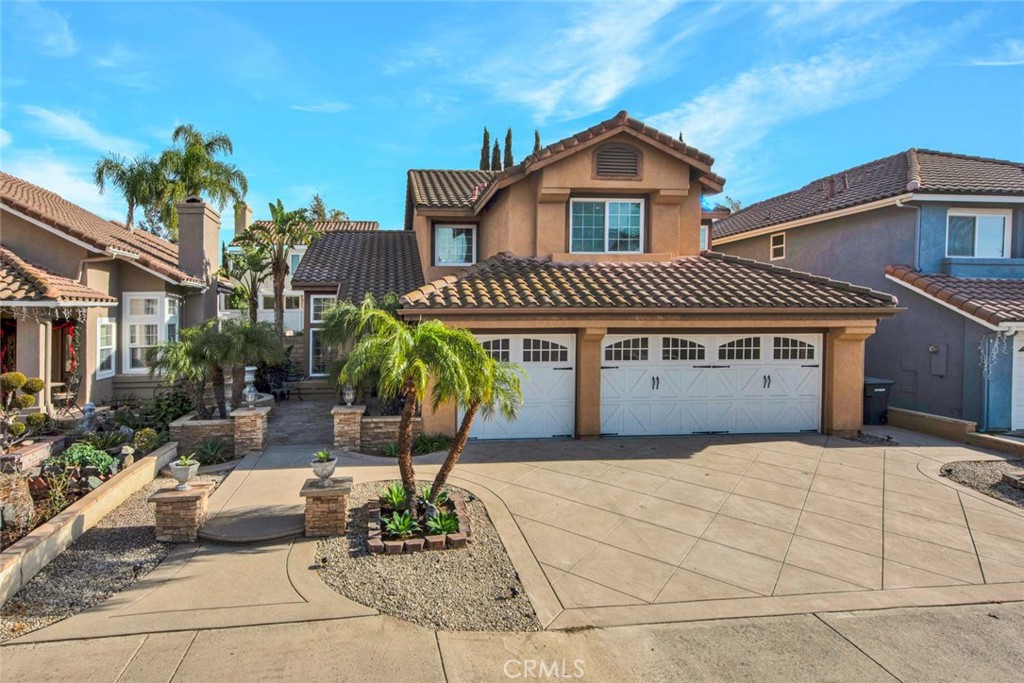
(105,560)
(986,476)
(471,589)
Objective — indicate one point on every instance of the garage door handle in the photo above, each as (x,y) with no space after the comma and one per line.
(652,383)
(658,385)
(769,381)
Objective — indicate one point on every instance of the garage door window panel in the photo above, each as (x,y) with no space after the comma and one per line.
(635,349)
(747,348)
(675,348)
(498,349)
(543,351)
(787,348)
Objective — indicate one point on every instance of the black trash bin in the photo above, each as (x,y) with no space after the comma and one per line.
(876,400)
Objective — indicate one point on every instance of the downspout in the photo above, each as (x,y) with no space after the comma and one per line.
(91,259)
(917,231)
(48,364)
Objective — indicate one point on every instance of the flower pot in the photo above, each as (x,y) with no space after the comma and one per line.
(324,470)
(184,474)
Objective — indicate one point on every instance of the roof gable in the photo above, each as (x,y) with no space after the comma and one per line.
(991,300)
(22,282)
(360,263)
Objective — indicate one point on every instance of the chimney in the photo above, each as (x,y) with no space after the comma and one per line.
(199,256)
(243,218)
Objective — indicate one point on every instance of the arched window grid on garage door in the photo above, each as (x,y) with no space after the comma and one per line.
(675,348)
(787,348)
(543,351)
(498,349)
(746,348)
(627,350)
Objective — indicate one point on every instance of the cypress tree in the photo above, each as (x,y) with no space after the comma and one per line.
(508,162)
(536,140)
(484,150)
(496,157)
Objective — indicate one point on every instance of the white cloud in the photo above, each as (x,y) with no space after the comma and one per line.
(1010,53)
(71,126)
(323,107)
(48,28)
(827,16)
(70,180)
(5,138)
(733,118)
(116,57)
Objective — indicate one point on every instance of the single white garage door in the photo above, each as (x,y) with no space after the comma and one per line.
(549,387)
(711,384)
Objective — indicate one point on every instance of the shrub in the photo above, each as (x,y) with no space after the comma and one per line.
(391,450)
(322,456)
(401,525)
(57,494)
(186,459)
(146,440)
(166,407)
(106,441)
(394,495)
(431,443)
(17,392)
(82,454)
(443,523)
(425,492)
(212,452)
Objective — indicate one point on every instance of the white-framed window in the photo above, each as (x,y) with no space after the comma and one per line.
(293,262)
(606,226)
(318,305)
(149,319)
(455,245)
(778,246)
(317,355)
(704,231)
(106,347)
(978,233)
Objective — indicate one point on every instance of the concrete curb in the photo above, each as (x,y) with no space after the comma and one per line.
(23,560)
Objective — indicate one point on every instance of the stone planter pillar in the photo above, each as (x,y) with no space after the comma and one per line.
(347,426)
(326,508)
(179,514)
(250,429)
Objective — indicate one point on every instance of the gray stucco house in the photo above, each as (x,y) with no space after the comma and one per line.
(945,234)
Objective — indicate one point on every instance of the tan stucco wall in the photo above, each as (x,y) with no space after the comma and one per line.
(40,247)
(530,216)
(843,372)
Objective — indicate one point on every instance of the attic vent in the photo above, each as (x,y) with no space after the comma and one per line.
(617,161)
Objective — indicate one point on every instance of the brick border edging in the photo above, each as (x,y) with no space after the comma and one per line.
(376,544)
(25,558)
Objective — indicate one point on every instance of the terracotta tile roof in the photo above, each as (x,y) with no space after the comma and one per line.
(915,170)
(709,281)
(439,189)
(332,226)
(993,300)
(50,208)
(443,189)
(361,262)
(22,282)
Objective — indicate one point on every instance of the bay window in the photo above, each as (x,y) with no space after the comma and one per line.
(150,319)
(978,233)
(606,226)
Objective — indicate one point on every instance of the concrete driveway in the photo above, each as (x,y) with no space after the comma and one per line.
(653,530)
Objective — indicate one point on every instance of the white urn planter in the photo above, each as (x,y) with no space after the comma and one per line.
(324,470)
(183,474)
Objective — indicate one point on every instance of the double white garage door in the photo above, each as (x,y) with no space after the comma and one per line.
(666,384)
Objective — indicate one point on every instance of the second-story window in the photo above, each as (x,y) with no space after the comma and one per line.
(778,246)
(979,233)
(612,226)
(454,245)
(293,264)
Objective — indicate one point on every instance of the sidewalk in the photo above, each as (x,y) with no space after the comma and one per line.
(975,643)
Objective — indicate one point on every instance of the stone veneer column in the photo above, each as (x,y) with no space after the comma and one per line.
(844,379)
(588,382)
(348,426)
(179,514)
(326,508)
(250,429)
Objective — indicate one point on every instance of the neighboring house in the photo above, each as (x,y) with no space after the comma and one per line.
(583,264)
(83,297)
(293,299)
(346,266)
(943,232)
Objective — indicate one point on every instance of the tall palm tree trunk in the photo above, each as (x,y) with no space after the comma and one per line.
(279,303)
(237,384)
(458,445)
(199,398)
(130,220)
(218,391)
(404,445)
(253,305)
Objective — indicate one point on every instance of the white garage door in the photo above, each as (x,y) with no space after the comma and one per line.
(549,387)
(710,384)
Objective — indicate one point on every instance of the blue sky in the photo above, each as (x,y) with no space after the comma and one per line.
(343,98)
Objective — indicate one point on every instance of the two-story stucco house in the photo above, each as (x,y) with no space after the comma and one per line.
(82,298)
(943,232)
(583,264)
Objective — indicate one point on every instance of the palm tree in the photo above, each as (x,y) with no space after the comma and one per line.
(273,239)
(138,180)
(190,359)
(247,343)
(192,170)
(408,361)
(250,269)
(494,388)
